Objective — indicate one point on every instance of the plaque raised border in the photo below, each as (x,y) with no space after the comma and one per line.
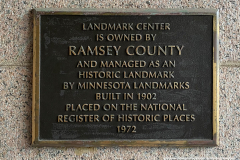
(36,141)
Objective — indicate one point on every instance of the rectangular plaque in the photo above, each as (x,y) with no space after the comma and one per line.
(127,78)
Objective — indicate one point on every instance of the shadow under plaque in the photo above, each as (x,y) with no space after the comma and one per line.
(126,78)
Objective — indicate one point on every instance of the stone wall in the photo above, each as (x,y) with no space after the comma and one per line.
(16,83)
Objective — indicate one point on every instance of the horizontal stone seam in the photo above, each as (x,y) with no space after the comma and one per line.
(222,64)
(17,65)
(230,64)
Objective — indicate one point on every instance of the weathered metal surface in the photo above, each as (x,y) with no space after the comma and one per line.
(197,64)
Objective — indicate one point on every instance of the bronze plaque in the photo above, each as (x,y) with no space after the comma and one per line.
(127,78)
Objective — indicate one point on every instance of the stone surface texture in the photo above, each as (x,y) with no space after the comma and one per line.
(16,83)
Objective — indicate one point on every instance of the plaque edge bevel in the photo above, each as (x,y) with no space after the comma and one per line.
(148,142)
